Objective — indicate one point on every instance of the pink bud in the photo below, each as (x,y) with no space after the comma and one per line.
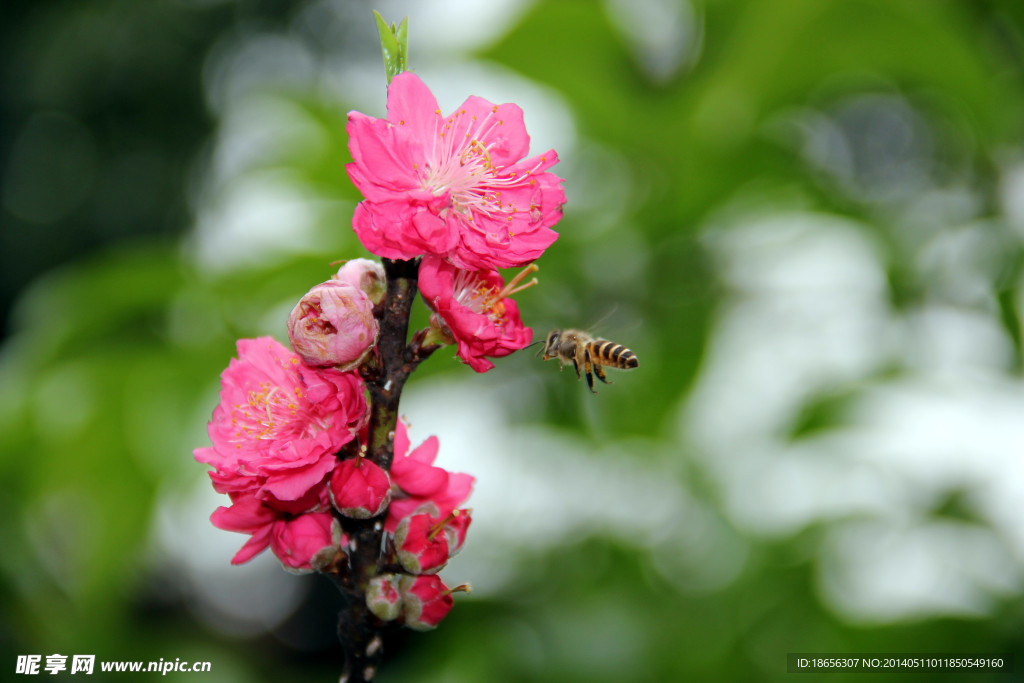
(425,601)
(421,543)
(333,324)
(365,274)
(328,556)
(383,598)
(359,488)
(299,541)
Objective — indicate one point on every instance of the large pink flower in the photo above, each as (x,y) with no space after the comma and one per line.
(476,308)
(279,422)
(454,186)
(294,536)
(416,481)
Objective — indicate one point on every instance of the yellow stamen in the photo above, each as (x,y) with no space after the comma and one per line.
(511,287)
(270,416)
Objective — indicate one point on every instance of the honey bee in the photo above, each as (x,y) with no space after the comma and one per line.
(581,349)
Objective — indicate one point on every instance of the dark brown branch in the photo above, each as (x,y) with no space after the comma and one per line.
(361,633)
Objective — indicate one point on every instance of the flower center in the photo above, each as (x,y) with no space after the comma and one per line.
(439,524)
(461,165)
(473,292)
(313,322)
(270,413)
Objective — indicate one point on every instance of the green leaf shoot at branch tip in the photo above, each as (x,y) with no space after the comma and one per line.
(394,45)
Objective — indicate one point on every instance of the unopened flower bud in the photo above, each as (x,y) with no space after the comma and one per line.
(330,555)
(365,274)
(325,557)
(333,324)
(383,597)
(303,540)
(359,488)
(421,544)
(425,601)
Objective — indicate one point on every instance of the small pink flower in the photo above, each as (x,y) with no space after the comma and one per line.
(421,544)
(476,309)
(279,422)
(294,537)
(359,488)
(426,601)
(383,597)
(415,481)
(333,325)
(454,186)
(365,274)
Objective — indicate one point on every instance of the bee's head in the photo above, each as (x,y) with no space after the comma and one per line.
(551,344)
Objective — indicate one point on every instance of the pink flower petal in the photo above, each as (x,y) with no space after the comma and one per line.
(427,451)
(417,478)
(295,541)
(375,147)
(411,104)
(245,515)
(253,547)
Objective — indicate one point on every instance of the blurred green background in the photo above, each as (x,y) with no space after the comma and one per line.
(806,217)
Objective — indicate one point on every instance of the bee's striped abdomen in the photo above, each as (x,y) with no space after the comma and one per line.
(616,355)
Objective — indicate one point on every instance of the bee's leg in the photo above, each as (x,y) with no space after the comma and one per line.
(599,371)
(588,367)
(575,366)
(579,358)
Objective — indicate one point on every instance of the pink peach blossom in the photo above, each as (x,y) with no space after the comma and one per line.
(476,309)
(333,325)
(454,186)
(294,538)
(415,481)
(279,422)
(421,544)
(425,601)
